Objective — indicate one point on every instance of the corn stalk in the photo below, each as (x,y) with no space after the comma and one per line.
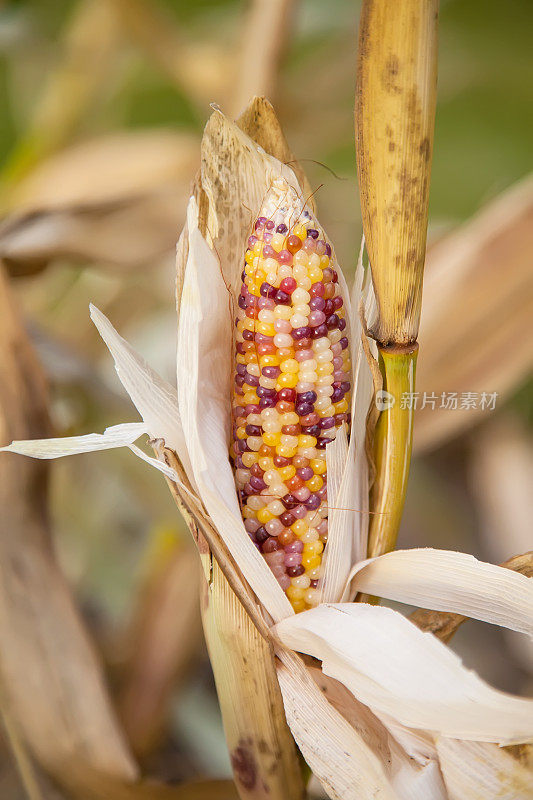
(394,118)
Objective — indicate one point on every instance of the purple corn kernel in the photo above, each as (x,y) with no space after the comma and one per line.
(319,332)
(317,304)
(295,572)
(282,297)
(307,397)
(266,290)
(253,430)
(301,333)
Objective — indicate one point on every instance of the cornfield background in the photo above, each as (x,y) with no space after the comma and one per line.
(103,105)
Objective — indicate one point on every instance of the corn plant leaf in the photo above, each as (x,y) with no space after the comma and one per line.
(397,670)
(116,201)
(444,580)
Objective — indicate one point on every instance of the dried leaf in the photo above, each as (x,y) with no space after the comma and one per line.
(162,641)
(52,682)
(335,751)
(445,580)
(478,305)
(389,665)
(479,771)
(117,199)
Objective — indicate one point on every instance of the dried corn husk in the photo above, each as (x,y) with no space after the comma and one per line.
(478,304)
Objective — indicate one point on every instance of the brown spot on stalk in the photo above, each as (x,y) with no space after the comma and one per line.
(389,74)
(244,766)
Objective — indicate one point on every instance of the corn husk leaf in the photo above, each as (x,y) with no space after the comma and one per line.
(412,770)
(389,665)
(204,369)
(474,770)
(335,751)
(444,580)
(478,304)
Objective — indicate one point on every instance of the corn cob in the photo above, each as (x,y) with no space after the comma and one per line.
(291,393)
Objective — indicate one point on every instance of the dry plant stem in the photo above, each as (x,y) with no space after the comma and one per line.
(392,447)
(52,683)
(249,694)
(394,119)
(162,644)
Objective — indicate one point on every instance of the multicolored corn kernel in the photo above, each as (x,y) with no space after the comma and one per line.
(291,394)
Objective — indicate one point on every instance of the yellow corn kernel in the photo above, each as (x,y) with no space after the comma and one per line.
(264,515)
(318,465)
(288,380)
(286,473)
(299,527)
(289,365)
(310,561)
(269,361)
(272,439)
(313,484)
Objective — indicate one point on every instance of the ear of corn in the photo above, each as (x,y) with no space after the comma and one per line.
(263,753)
(291,392)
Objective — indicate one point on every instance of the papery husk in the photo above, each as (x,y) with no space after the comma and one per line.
(444,624)
(262,751)
(406,675)
(478,306)
(51,681)
(394,120)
